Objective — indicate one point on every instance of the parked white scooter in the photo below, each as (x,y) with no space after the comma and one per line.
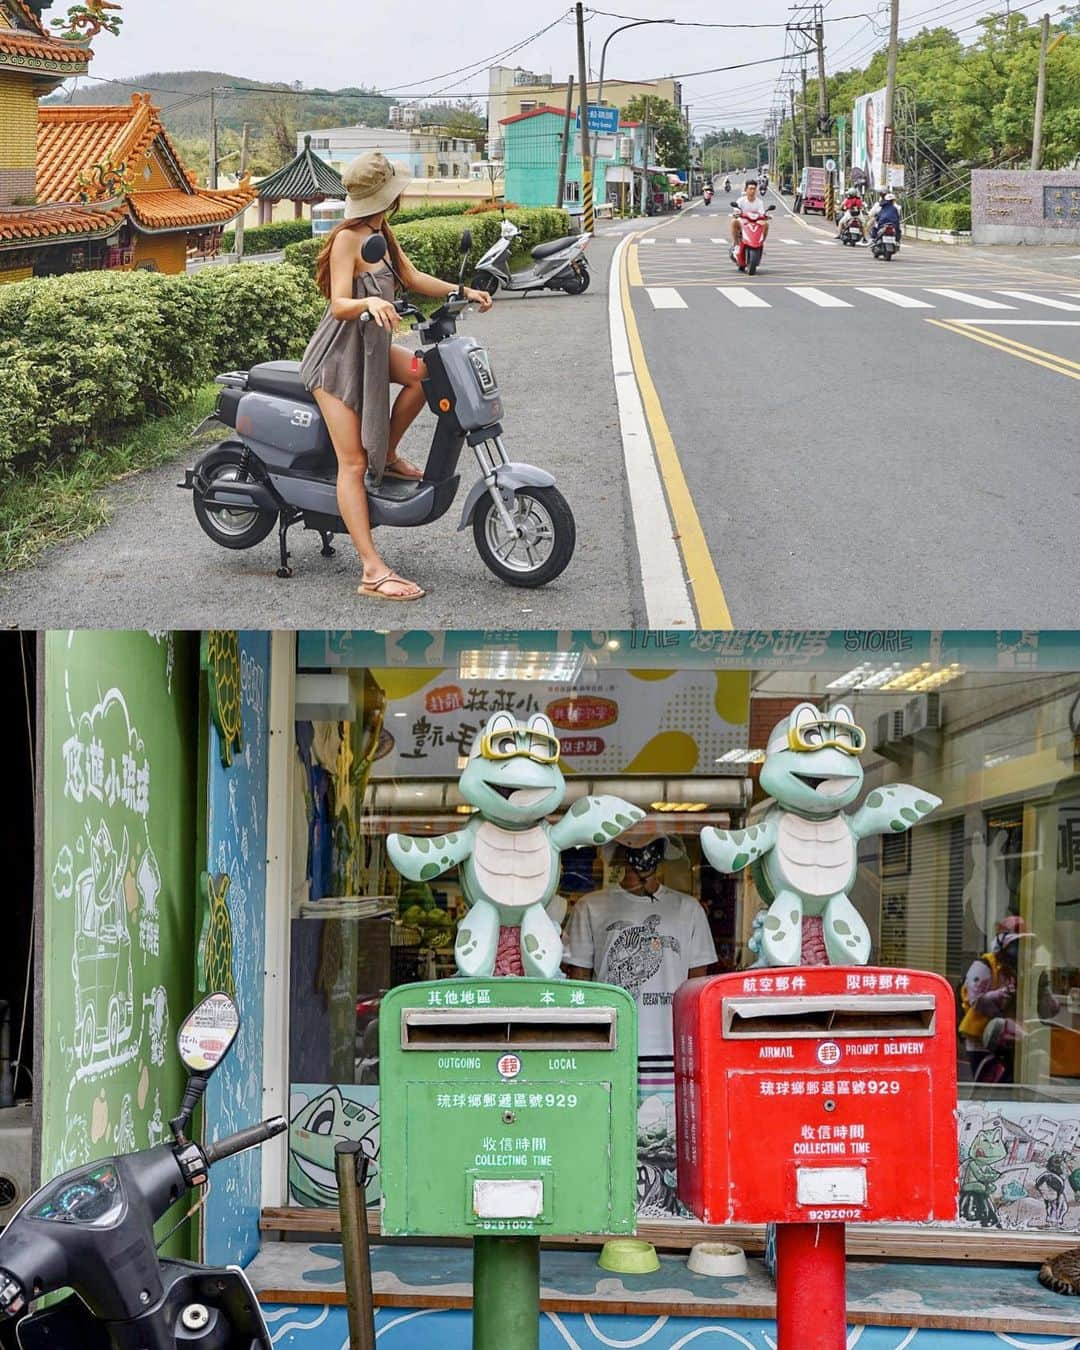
(558,265)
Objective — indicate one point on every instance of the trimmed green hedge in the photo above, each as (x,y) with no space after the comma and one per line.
(87,355)
(944,215)
(433,245)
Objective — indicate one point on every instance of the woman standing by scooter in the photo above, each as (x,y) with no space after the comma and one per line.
(351,359)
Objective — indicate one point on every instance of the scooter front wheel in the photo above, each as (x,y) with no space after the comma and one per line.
(484,281)
(542,543)
(229,528)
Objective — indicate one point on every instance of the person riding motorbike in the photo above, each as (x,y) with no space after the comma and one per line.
(763,183)
(851,210)
(885,213)
(727,184)
(753,205)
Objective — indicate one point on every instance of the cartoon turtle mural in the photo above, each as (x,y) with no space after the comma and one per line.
(216,939)
(637,952)
(320,1124)
(802,855)
(220,658)
(508,854)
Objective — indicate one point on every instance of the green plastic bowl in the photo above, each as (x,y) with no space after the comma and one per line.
(629,1256)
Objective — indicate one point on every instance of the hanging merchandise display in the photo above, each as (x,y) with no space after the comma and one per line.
(507,852)
(803,854)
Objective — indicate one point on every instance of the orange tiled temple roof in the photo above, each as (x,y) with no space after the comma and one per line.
(173,209)
(52,222)
(32,38)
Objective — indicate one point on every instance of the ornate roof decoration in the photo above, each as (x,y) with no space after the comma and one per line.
(172,209)
(26,44)
(307,178)
(85,21)
(53,224)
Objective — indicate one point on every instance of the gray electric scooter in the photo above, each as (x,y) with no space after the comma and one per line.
(280,466)
(558,265)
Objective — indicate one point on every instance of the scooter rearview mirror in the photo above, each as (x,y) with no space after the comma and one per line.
(207,1033)
(466,242)
(373,249)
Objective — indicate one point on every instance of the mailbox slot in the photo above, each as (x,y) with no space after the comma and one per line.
(809,1015)
(508,1028)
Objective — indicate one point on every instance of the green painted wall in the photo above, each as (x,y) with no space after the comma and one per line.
(120,747)
(532,161)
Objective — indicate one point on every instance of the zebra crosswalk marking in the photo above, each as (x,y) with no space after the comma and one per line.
(894,297)
(665,297)
(743,298)
(1039,299)
(681,239)
(821,298)
(980,301)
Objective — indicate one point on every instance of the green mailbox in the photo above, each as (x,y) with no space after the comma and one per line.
(508,1108)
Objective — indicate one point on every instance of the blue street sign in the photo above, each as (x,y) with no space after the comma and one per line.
(602,121)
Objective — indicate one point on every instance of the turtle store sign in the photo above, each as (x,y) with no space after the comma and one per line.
(616,721)
(119,752)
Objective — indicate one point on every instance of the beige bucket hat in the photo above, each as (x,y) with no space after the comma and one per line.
(373,183)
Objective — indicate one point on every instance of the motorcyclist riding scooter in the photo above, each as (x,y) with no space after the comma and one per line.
(749,229)
(92,1230)
(885,227)
(727,184)
(851,218)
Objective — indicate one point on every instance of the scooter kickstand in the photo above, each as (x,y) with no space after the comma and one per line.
(284,570)
(327,550)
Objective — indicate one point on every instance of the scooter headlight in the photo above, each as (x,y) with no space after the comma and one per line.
(485,376)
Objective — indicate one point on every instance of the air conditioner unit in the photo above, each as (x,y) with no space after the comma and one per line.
(623,151)
(919,715)
(16,1125)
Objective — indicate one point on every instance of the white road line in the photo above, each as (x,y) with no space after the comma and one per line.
(646,241)
(667,600)
(827,242)
(719,241)
(1039,299)
(681,239)
(795,243)
(821,298)
(980,301)
(894,297)
(744,299)
(665,297)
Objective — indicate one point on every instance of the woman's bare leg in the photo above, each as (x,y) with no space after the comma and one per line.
(343,425)
(408,402)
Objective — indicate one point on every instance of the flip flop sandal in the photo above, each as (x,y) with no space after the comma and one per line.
(407,471)
(375,591)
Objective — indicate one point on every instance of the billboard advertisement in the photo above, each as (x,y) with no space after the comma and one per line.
(868,139)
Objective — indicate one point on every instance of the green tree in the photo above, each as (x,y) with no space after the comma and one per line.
(664,118)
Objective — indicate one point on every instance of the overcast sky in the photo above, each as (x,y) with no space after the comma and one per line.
(387,43)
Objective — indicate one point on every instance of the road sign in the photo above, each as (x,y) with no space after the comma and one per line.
(605,146)
(601,119)
(830,165)
(896,175)
(824,145)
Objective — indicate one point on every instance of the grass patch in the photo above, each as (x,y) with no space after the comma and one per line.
(42,505)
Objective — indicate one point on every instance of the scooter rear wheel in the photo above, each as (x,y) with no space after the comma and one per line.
(230,529)
(577,282)
(541,552)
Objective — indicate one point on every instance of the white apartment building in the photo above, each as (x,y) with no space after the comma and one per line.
(428,152)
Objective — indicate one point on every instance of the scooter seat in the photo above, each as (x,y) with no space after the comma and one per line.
(281,378)
(554,246)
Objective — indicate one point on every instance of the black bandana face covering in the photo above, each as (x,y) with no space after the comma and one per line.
(647,859)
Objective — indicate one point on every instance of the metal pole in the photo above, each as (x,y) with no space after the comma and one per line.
(810,1287)
(1040,97)
(603,57)
(211,177)
(805,128)
(351,1166)
(794,151)
(564,148)
(890,73)
(506,1293)
(823,106)
(588,208)
(645,151)
(238,244)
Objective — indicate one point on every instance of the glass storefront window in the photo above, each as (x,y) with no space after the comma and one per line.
(985,891)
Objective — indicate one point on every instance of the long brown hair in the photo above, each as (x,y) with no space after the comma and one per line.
(322,262)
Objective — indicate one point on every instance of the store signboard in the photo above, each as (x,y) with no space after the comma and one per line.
(571,651)
(620,721)
(868,137)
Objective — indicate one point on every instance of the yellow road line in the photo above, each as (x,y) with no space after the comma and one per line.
(633,266)
(1057,364)
(1007,341)
(709,599)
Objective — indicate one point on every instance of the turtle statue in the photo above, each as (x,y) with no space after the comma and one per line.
(636,954)
(508,853)
(216,939)
(802,855)
(220,658)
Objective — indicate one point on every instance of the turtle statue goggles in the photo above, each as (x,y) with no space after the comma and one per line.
(827,732)
(533,743)
(647,858)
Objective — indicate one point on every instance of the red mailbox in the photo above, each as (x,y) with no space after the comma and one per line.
(820,1094)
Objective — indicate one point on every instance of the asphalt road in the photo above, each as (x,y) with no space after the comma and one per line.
(869,443)
(152,565)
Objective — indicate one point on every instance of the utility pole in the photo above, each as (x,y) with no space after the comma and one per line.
(890,75)
(1040,97)
(645,155)
(805,128)
(589,220)
(794,154)
(564,148)
(823,105)
(689,152)
(238,246)
(212,178)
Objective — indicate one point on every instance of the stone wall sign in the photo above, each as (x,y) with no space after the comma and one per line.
(1022,206)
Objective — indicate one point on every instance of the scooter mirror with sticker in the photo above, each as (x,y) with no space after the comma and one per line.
(373,249)
(207,1033)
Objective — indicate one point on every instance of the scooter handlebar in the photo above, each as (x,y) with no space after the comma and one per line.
(245,1139)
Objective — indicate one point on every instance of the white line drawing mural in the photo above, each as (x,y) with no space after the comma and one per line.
(101,960)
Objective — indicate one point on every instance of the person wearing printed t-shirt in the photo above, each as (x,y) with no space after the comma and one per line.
(648,938)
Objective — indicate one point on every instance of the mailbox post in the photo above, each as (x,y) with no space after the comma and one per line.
(508,1112)
(814,1097)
